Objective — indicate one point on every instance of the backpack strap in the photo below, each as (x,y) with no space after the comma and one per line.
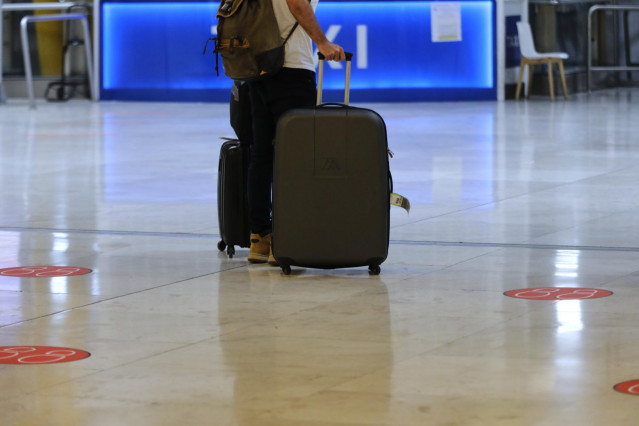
(291,33)
(294,27)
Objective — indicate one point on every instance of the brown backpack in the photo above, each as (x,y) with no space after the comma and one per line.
(248,39)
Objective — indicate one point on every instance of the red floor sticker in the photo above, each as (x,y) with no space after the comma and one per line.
(558,293)
(43,271)
(631,387)
(39,355)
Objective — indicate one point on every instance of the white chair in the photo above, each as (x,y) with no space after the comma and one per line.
(530,57)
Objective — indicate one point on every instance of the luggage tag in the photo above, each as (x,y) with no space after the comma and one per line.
(400,201)
(396,199)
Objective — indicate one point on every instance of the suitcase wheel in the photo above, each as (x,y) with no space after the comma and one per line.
(221,245)
(374,269)
(231,251)
(286,270)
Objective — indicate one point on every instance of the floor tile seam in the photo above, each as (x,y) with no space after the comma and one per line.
(392,242)
(514,245)
(114,367)
(510,198)
(444,268)
(406,359)
(118,297)
(110,232)
(514,197)
(403,360)
(333,388)
(497,323)
(597,176)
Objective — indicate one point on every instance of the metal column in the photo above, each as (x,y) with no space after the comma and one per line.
(3,96)
(27,58)
(12,7)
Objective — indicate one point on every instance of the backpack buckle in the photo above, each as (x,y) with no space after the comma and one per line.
(235,41)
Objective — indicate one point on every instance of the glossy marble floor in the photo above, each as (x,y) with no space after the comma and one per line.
(506,195)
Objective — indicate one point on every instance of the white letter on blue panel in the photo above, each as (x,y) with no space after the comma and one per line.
(362,46)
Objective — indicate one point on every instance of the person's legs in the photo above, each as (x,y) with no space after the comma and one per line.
(290,88)
(260,175)
(260,171)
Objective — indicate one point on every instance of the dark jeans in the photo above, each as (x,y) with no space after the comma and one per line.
(290,88)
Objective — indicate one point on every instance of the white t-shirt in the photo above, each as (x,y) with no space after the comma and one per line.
(299,48)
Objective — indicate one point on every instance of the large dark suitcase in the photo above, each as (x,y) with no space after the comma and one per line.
(331,187)
(232,205)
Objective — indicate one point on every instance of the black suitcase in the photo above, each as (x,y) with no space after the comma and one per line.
(232,205)
(331,187)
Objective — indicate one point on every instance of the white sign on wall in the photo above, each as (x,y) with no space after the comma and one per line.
(445,21)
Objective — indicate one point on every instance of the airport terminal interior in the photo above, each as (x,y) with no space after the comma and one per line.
(509,295)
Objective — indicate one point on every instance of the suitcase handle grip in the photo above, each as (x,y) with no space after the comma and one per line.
(349,56)
(320,78)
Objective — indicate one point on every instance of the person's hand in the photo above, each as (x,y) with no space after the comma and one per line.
(332,51)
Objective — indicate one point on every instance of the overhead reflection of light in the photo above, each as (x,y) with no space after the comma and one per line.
(567,274)
(569,316)
(59,285)
(95,284)
(567,263)
(60,245)
(60,242)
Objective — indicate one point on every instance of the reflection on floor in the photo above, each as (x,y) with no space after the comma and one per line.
(506,195)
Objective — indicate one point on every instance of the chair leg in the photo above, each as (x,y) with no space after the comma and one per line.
(563,77)
(531,68)
(522,67)
(550,82)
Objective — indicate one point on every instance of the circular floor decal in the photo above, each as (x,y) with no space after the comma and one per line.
(39,355)
(558,293)
(43,271)
(631,387)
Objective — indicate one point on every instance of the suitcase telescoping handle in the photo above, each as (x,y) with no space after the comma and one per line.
(320,77)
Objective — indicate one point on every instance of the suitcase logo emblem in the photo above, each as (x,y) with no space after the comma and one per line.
(330,165)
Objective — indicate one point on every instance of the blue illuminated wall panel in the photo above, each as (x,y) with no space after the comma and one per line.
(153,51)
